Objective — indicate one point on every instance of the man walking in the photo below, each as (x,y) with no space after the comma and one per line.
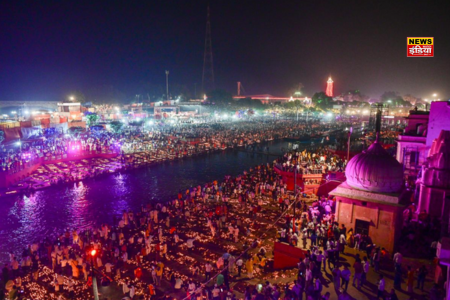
(358,273)
(366,267)
(345,275)
(208,269)
(239,264)
(381,286)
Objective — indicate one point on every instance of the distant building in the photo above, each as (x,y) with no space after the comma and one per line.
(72,111)
(269,99)
(166,111)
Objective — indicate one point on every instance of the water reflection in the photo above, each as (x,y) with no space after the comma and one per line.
(98,200)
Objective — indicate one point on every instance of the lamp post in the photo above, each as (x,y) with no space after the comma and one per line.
(295,192)
(167,84)
(348,143)
(94,279)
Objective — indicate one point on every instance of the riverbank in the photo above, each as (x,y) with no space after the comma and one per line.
(257,229)
(73,168)
(97,200)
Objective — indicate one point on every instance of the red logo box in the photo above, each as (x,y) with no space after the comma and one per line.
(420,47)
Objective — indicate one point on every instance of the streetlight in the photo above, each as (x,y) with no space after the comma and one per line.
(167,84)
(295,193)
(94,279)
(72,98)
(348,143)
(434,96)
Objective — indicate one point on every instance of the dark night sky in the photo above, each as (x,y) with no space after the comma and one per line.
(50,48)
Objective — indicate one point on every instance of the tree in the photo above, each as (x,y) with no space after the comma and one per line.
(91,119)
(394,99)
(322,101)
(354,95)
(296,90)
(296,104)
(247,103)
(116,126)
(219,97)
(412,99)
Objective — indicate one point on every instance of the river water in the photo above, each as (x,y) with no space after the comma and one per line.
(25,220)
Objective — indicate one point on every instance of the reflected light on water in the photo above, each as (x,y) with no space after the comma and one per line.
(95,201)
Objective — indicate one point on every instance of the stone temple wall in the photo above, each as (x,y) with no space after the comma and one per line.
(439,120)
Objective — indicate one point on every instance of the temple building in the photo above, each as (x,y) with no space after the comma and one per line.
(411,149)
(423,149)
(422,129)
(434,181)
(372,199)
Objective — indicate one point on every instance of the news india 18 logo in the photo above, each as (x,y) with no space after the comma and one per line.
(420,47)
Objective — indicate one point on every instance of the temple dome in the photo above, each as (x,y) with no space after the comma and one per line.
(374,170)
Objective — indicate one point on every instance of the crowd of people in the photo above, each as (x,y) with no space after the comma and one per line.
(200,243)
(318,161)
(160,138)
(209,238)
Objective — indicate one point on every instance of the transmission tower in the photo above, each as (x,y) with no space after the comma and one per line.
(208,72)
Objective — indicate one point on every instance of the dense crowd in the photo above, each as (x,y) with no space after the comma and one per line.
(160,138)
(167,249)
(319,161)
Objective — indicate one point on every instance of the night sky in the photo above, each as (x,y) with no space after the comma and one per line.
(50,48)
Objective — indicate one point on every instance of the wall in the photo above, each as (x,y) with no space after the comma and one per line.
(77,124)
(431,200)
(418,142)
(439,120)
(385,220)
(286,256)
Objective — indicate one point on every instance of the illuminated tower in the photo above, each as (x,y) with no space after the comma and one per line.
(329,90)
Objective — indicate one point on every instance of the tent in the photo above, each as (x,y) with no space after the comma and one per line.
(12,133)
(31,132)
(60,127)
